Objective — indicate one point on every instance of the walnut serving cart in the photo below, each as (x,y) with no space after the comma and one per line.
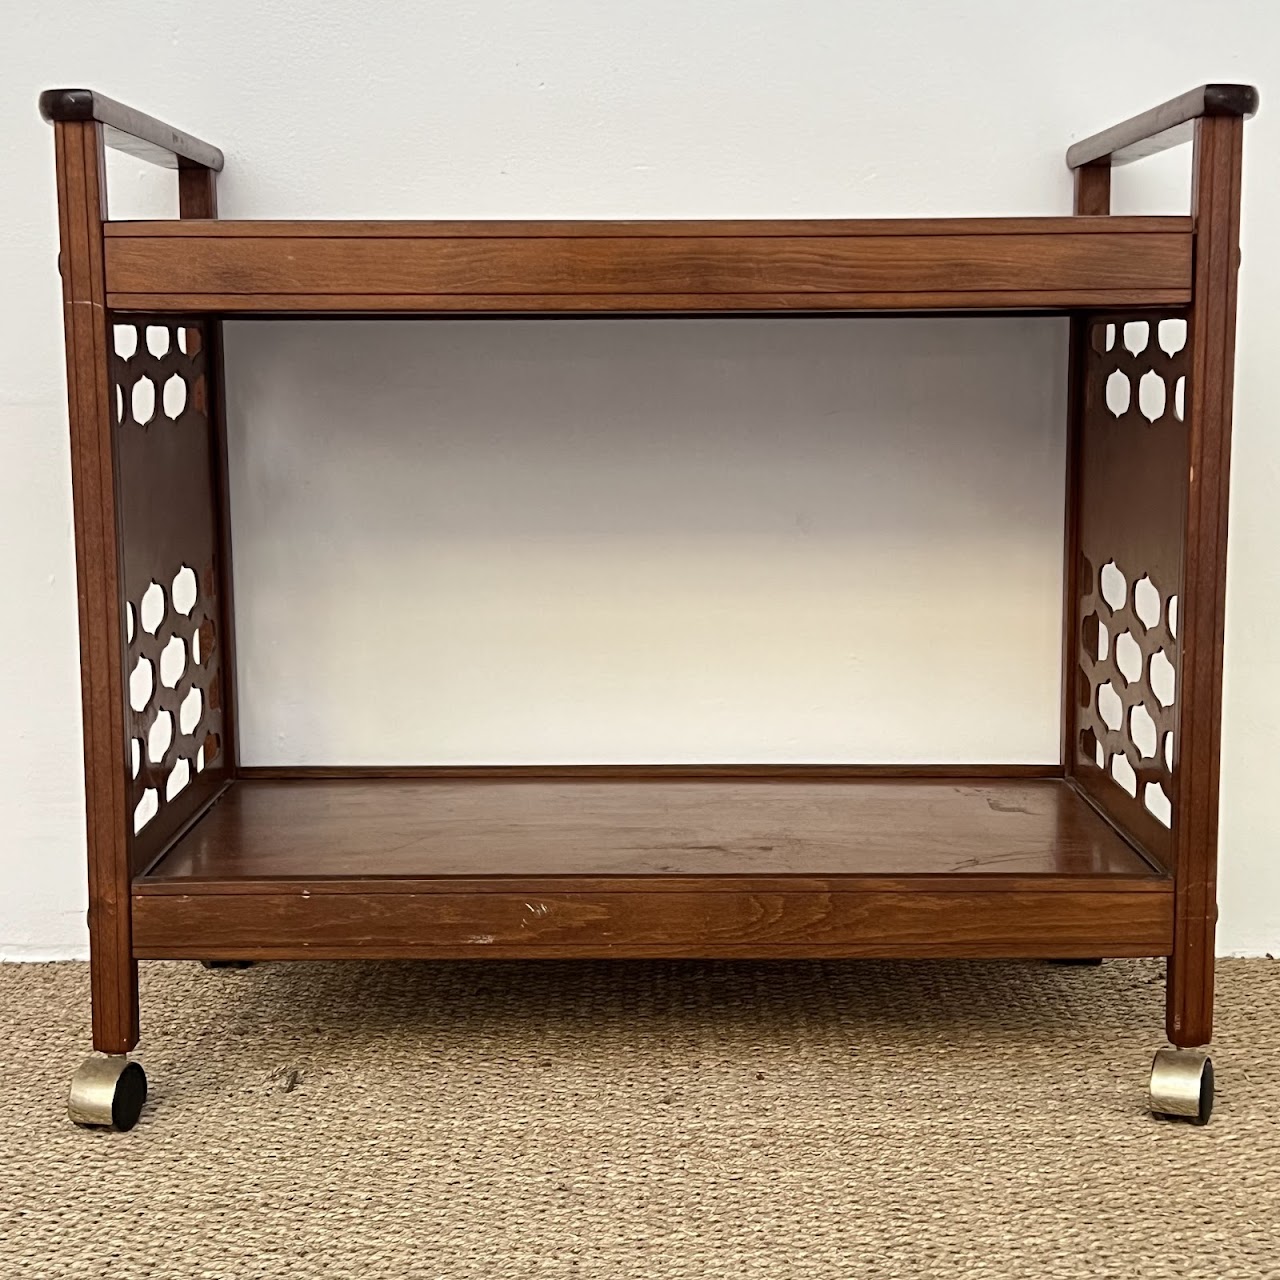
(1108,852)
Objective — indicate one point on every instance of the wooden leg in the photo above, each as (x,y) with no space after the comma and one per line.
(1188,1027)
(1184,552)
(114,981)
(114,855)
(1211,338)
(81,212)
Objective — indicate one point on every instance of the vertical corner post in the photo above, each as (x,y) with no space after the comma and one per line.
(1092,197)
(82,211)
(1211,341)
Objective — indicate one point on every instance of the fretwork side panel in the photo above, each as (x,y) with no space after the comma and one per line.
(1132,472)
(168,506)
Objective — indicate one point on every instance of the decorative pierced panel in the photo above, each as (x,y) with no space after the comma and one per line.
(1132,501)
(165,451)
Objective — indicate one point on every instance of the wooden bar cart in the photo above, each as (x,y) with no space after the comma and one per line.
(1110,851)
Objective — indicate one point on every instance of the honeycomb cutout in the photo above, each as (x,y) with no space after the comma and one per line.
(176,700)
(1145,375)
(171,618)
(1127,714)
(159,374)
(1134,442)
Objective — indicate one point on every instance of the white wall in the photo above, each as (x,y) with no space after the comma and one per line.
(633,541)
(648,540)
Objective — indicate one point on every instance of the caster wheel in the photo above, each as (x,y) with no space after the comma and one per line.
(1089,962)
(1182,1085)
(227,964)
(107,1092)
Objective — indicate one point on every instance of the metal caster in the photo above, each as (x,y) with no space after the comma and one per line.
(227,964)
(1182,1085)
(107,1092)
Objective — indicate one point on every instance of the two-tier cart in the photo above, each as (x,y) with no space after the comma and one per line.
(1110,851)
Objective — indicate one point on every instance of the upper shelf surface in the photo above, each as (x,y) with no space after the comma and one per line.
(756,267)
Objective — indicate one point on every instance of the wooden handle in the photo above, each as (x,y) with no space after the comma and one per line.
(1164,126)
(130,131)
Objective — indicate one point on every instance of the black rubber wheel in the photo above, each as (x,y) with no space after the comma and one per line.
(227,964)
(130,1095)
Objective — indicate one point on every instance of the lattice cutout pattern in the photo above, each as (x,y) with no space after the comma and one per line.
(1134,450)
(1128,720)
(172,618)
(1146,374)
(175,695)
(159,375)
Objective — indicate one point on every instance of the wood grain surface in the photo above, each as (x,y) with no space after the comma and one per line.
(916,923)
(595,267)
(82,207)
(1168,125)
(888,863)
(312,829)
(1210,385)
(644,228)
(129,130)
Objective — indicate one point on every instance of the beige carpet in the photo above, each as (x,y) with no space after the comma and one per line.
(627,1120)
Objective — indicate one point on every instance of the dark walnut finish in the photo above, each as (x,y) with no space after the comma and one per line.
(1211,343)
(743,924)
(653,866)
(1131,450)
(312,829)
(1147,502)
(174,625)
(655,772)
(636,267)
(125,520)
(131,132)
(82,208)
(1110,851)
(1168,125)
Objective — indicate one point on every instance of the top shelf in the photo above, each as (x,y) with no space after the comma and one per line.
(636,268)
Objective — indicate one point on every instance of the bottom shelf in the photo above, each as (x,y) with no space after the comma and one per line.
(660,866)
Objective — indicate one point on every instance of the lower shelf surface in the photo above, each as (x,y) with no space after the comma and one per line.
(423,828)
(395,867)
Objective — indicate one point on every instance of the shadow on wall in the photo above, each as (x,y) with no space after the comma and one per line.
(663,540)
